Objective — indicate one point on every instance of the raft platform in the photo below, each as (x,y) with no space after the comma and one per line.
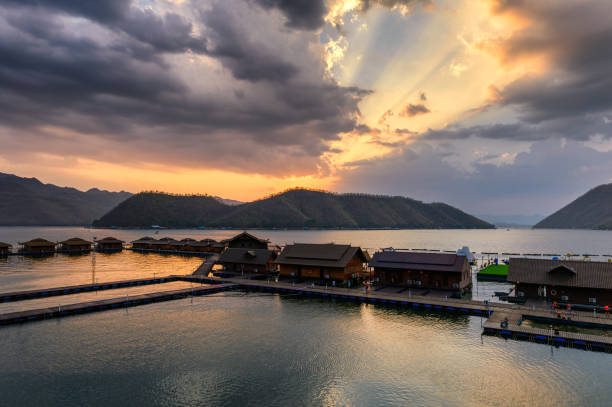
(83,288)
(112,303)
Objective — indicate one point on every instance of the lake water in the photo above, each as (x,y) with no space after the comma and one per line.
(267,349)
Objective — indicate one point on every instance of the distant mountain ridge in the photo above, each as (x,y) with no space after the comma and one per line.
(29,202)
(298,208)
(592,210)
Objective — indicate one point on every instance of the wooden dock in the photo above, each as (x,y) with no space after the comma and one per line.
(112,303)
(51,292)
(514,330)
(494,312)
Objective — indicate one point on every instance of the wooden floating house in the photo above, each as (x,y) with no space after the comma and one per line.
(5,249)
(211,245)
(109,244)
(246,240)
(144,243)
(443,271)
(37,246)
(565,281)
(322,262)
(75,245)
(243,260)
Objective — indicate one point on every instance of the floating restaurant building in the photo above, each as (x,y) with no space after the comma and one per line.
(239,260)
(5,249)
(443,271)
(37,246)
(565,281)
(75,245)
(109,244)
(323,262)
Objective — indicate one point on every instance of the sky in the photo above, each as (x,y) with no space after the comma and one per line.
(494,106)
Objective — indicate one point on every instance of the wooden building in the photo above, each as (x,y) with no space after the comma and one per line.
(37,246)
(239,260)
(144,243)
(5,249)
(564,281)
(322,262)
(246,240)
(166,244)
(75,245)
(211,245)
(443,271)
(109,244)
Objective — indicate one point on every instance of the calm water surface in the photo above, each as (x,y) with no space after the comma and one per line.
(255,349)
(260,349)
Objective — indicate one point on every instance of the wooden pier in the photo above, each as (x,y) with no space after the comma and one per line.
(75,289)
(112,303)
(494,312)
(514,330)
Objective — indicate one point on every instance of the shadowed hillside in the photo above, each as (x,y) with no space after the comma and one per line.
(29,202)
(296,208)
(592,210)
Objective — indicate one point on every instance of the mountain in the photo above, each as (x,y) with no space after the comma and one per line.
(296,208)
(29,202)
(154,208)
(230,202)
(592,210)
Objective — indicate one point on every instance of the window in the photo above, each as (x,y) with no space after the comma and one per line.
(593,300)
(521,293)
(455,285)
(418,282)
(564,298)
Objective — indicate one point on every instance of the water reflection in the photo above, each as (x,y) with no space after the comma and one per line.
(253,349)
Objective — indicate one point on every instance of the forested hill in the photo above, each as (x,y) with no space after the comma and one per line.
(592,210)
(296,208)
(29,202)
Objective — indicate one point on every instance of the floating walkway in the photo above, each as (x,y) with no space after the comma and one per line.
(112,303)
(514,330)
(494,312)
(51,292)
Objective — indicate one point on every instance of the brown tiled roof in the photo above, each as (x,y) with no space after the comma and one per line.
(246,256)
(322,255)
(567,273)
(245,234)
(145,239)
(418,261)
(38,242)
(110,240)
(75,241)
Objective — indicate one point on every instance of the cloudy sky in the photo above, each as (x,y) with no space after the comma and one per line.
(495,106)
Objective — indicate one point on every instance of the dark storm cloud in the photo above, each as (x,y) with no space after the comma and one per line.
(246,60)
(121,90)
(304,14)
(169,32)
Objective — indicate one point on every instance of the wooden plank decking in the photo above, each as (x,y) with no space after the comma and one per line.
(111,303)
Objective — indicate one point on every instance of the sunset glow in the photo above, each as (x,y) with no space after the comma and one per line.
(209,103)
